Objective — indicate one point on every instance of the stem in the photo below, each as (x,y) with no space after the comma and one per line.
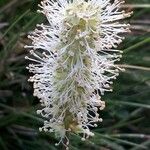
(147,40)
(136,6)
(134,67)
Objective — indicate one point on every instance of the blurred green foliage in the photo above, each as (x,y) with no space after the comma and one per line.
(126,124)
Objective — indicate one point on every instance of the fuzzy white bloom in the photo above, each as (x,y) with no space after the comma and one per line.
(73,62)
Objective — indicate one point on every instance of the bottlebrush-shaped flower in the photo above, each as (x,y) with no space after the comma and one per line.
(73,62)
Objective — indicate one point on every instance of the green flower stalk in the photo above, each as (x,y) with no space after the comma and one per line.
(73,62)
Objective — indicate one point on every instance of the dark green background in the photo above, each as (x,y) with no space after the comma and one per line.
(126,124)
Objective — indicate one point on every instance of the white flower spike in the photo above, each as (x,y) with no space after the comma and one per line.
(73,62)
